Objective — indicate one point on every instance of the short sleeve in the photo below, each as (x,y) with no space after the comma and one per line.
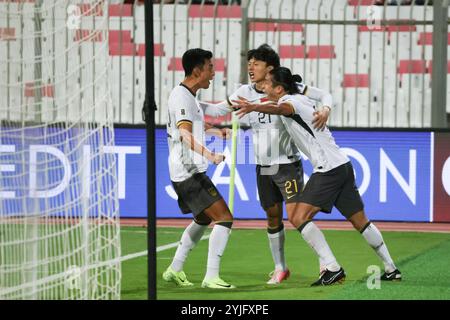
(183,110)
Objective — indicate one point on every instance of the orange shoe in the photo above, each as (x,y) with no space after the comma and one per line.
(277,276)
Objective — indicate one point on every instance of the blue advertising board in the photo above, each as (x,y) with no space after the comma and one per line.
(392,173)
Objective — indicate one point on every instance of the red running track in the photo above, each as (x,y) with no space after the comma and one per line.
(325,225)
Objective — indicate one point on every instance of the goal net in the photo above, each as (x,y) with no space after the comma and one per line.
(59,224)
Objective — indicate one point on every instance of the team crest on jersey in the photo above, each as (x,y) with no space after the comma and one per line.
(212,191)
(183,112)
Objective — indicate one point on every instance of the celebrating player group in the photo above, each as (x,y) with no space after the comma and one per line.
(281,111)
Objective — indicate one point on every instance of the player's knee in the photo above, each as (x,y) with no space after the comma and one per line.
(359,220)
(296,221)
(298,218)
(274,218)
(202,220)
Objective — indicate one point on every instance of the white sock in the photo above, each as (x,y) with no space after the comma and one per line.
(189,239)
(315,238)
(375,239)
(217,243)
(276,242)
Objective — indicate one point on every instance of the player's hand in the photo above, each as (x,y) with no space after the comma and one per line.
(243,106)
(226,133)
(321,118)
(216,158)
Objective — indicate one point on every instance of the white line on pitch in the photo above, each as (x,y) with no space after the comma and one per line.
(158,249)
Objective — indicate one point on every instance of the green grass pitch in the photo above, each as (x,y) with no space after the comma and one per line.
(423,258)
(134,271)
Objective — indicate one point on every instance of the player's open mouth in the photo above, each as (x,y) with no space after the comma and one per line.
(251,74)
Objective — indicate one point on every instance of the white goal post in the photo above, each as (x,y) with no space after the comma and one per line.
(59,213)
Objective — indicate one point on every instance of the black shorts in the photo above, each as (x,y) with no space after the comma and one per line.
(278,183)
(334,188)
(196,193)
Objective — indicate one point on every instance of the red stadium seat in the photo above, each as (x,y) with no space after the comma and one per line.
(387,27)
(114,35)
(88,35)
(274,27)
(426,38)
(175,64)
(120,10)
(7,34)
(292,52)
(207,11)
(87,9)
(158,49)
(46,90)
(412,66)
(356,81)
(122,49)
(321,52)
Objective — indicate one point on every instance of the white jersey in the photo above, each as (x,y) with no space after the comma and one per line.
(271,142)
(184,107)
(318,146)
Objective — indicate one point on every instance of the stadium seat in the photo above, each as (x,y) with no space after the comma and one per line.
(356,81)
(321,52)
(275,27)
(412,66)
(292,52)
(47,90)
(158,50)
(115,36)
(120,10)
(426,38)
(87,9)
(222,11)
(122,49)
(7,33)
(88,35)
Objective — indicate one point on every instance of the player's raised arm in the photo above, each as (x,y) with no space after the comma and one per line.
(185,128)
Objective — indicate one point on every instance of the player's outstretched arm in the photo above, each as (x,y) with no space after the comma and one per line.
(216,109)
(244,107)
(188,139)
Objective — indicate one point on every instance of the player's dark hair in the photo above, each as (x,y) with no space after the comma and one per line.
(194,58)
(264,53)
(282,76)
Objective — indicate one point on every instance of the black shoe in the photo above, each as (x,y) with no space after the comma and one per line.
(395,275)
(329,277)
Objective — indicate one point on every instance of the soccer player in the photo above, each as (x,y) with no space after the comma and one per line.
(279,170)
(331,184)
(188,162)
